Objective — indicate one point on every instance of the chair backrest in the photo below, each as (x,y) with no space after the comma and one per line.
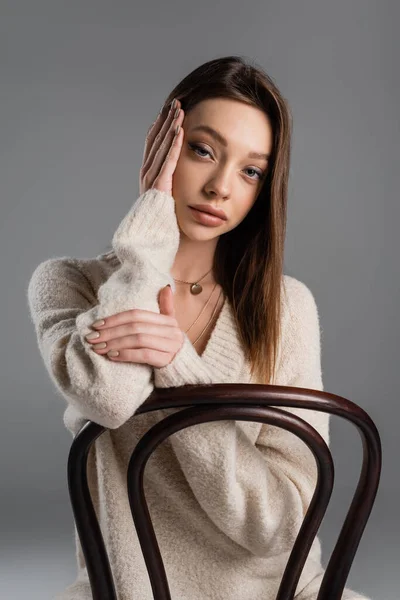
(242,402)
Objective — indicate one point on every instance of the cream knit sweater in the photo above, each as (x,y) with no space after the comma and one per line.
(226,498)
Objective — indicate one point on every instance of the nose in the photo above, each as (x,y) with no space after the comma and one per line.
(218,187)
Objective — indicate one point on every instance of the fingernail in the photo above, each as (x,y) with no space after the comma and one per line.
(98,323)
(100,346)
(93,335)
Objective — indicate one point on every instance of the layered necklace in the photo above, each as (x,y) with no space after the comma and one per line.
(195,289)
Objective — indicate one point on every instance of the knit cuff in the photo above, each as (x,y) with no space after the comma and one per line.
(186,368)
(149,230)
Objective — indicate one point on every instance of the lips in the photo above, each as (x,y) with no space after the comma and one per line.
(216,212)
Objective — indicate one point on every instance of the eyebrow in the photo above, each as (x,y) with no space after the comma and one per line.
(220,138)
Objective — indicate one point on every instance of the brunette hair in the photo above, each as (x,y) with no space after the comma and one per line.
(248,261)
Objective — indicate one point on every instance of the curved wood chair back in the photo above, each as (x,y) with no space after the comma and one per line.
(242,402)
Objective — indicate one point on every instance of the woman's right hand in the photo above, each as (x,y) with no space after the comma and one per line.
(161,151)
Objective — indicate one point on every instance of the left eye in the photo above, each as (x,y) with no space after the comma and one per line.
(195,147)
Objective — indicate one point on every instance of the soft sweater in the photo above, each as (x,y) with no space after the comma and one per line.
(226,498)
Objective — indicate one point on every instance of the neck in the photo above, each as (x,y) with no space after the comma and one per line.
(194,262)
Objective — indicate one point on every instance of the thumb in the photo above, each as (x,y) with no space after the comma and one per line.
(166,301)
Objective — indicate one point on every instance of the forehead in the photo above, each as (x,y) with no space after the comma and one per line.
(243,126)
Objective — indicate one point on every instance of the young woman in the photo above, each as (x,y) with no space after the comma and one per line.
(226,498)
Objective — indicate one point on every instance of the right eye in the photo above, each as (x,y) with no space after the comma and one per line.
(196,147)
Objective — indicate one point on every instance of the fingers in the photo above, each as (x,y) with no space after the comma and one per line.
(155,136)
(153,132)
(159,141)
(131,332)
(169,164)
(135,315)
(147,356)
(142,348)
(138,341)
(161,146)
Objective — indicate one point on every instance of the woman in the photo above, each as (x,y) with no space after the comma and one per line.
(226,498)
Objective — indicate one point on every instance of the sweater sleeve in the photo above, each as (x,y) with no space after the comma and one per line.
(63,305)
(258,494)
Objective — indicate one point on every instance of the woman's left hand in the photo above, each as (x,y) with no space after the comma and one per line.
(142,336)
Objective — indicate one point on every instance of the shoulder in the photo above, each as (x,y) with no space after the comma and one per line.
(300,318)
(298,301)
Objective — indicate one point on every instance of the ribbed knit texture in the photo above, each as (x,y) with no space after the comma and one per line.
(226,498)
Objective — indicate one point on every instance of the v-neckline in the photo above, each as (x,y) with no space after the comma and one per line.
(224,344)
(213,330)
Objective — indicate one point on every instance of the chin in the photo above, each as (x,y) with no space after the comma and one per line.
(197,232)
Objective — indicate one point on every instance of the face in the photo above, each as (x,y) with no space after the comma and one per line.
(217,170)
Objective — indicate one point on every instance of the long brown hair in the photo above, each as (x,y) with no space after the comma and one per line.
(248,261)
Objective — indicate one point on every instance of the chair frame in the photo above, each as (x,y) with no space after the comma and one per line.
(243,402)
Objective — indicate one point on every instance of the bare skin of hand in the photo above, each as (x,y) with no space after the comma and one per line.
(161,151)
(143,336)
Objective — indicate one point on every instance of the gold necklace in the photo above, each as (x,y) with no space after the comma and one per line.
(212,316)
(195,289)
(202,310)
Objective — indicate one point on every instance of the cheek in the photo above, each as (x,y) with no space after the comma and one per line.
(180,167)
(185,159)
(185,173)
(183,179)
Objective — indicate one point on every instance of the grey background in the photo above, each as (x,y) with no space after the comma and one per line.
(81,82)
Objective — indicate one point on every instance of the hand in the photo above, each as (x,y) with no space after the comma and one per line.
(142,336)
(161,151)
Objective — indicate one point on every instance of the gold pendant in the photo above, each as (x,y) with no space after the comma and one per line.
(196,288)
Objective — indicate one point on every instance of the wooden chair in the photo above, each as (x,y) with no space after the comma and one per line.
(243,402)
